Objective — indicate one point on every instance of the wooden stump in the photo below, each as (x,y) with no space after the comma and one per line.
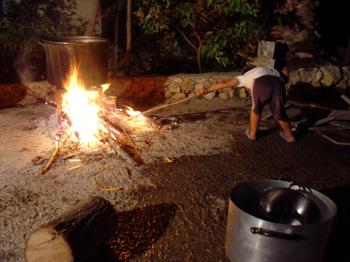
(76,235)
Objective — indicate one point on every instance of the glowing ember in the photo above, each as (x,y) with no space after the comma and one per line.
(82,108)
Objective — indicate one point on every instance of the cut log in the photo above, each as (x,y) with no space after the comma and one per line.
(76,235)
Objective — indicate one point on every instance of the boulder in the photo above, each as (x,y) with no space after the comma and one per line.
(306,76)
(178,96)
(210,96)
(331,75)
(187,86)
(223,96)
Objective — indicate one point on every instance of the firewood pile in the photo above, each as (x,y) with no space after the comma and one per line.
(334,126)
(115,132)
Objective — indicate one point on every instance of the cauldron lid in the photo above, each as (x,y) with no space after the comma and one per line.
(67,40)
(246,195)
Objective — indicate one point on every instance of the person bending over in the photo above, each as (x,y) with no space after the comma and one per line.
(267,88)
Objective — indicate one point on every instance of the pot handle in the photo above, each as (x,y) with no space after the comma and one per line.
(300,186)
(274,234)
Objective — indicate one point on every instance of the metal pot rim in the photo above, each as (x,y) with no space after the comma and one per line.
(257,188)
(75,40)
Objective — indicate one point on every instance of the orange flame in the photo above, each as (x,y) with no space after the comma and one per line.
(82,108)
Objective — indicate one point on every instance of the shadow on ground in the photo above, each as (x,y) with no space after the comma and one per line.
(137,230)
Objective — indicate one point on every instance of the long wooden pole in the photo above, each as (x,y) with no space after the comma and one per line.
(167,105)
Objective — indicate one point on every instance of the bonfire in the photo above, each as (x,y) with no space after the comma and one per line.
(89,119)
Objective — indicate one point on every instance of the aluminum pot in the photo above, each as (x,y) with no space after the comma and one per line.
(88,54)
(250,237)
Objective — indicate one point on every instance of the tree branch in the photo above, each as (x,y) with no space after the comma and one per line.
(186,38)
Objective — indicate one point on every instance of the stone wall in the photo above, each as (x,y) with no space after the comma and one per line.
(321,76)
(181,86)
(147,91)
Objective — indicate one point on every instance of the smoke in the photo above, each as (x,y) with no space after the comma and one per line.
(26,69)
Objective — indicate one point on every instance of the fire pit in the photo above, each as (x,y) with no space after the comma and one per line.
(77,66)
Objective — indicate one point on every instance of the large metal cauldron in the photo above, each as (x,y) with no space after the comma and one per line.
(259,229)
(88,54)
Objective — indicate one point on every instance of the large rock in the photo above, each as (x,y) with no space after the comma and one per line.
(331,75)
(198,86)
(187,86)
(305,75)
(223,96)
(177,97)
(231,93)
(210,96)
(294,77)
(206,84)
(174,88)
(316,77)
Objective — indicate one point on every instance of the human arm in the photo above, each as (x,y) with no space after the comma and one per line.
(231,83)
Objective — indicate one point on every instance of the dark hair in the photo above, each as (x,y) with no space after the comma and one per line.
(280,64)
(280,56)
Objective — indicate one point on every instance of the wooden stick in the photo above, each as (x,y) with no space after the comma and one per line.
(345,98)
(324,120)
(312,105)
(54,155)
(168,105)
(334,141)
(118,150)
(333,128)
(125,143)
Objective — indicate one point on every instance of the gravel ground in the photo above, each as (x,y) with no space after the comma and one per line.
(173,208)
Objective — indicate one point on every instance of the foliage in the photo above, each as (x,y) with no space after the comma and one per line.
(22,22)
(215,30)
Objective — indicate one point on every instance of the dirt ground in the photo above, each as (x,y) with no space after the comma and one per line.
(174,207)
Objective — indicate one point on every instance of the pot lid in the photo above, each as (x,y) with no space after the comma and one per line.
(68,40)
(247,195)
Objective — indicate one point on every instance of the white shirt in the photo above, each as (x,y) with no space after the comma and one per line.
(247,79)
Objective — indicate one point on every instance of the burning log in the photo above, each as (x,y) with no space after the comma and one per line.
(126,143)
(76,235)
(117,149)
(119,140)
